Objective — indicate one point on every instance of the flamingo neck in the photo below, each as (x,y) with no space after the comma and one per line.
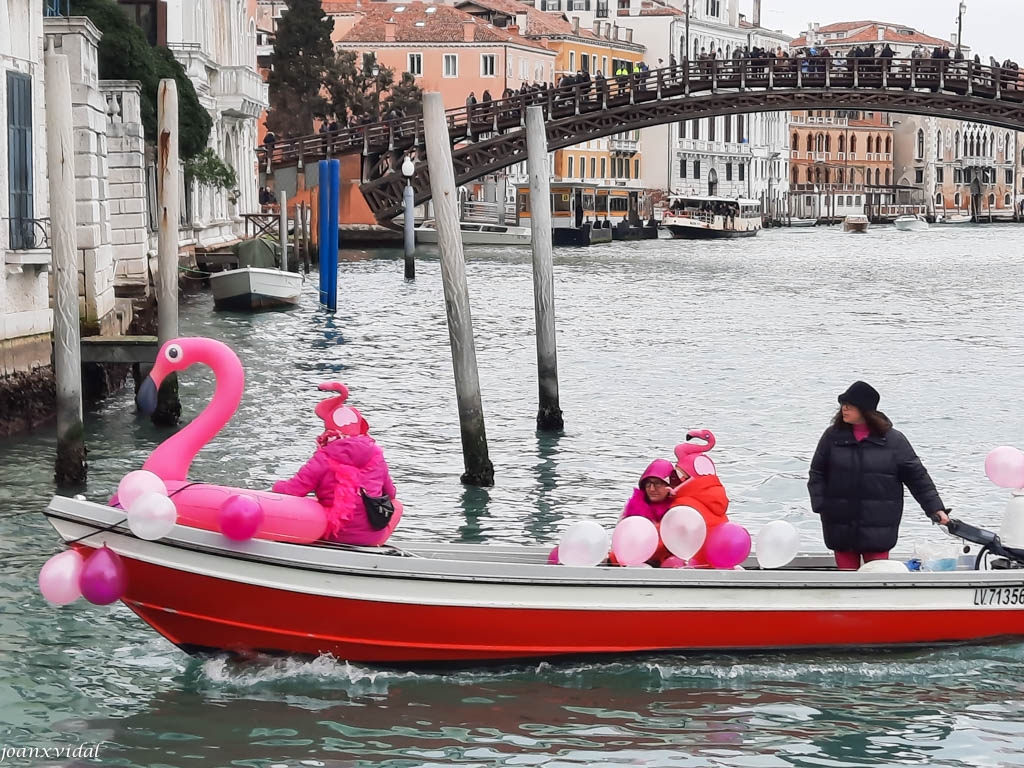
(173,457)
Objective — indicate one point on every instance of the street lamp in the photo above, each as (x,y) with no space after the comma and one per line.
(376,90)
(960,27)
(408,169)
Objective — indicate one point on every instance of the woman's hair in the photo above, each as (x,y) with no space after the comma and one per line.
(878,423)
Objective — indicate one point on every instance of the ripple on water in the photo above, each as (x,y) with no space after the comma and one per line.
(750,339)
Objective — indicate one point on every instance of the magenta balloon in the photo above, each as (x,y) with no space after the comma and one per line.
(553,557)
(727,545)
(103,578)
(240,517)
(1005,467)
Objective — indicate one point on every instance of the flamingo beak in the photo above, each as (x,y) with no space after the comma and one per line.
(146,398)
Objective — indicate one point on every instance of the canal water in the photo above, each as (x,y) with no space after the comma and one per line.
(750,339)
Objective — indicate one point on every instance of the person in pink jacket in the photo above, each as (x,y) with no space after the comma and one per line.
(653,495)
(347,464)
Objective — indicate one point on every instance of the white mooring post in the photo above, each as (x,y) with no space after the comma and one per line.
(479,470)
(168,408)
(67,344)
(283,226)
(549,414)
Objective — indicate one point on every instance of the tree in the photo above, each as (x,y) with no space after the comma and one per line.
(125,54)
(405,96)
(353,86)
(302,59)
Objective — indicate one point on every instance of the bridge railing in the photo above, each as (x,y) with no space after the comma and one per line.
(690,77)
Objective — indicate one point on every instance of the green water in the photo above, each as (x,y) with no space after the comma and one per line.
(752,340)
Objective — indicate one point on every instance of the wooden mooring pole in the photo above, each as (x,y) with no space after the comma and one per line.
(549,414)
(71,467)
(168,409)
(282,225)
(479,470)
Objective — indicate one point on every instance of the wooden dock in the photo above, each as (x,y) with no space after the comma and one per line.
(119,349)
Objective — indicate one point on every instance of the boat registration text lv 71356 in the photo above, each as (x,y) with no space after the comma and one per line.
(999,596)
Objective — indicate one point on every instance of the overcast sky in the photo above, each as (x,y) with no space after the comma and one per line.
(991,27)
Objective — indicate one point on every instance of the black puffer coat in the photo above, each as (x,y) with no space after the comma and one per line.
(857,488)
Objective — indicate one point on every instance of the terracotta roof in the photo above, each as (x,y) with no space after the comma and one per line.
(541,23)
(661,11)
(413,24)
(866,32)
(332,8)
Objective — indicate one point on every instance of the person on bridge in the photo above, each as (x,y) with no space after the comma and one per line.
(856,480)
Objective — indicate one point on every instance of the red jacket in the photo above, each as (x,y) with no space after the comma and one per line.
(706,494)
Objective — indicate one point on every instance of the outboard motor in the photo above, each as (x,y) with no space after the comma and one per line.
(1011,532)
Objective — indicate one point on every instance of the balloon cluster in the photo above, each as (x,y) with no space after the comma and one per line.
(143,496)
(683,533)
(1005,467)
(100,578)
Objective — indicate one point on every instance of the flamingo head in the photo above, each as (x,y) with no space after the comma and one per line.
(337,417)
(177,355)
(690,459)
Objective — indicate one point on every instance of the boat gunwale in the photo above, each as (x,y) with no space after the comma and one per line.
(411,566)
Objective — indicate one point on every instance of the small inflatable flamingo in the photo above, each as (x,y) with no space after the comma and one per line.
(691,458)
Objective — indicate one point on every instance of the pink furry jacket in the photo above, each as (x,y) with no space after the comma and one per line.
(335,473)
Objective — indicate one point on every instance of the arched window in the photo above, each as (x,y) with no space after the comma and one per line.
(819,143)
(796,143)
(878,176)
(938,145)
(956,199)
(871,144)
(570,167)
(853,146)
(991,200)
(888,145)
(817,175)
(1006,200)
(842,144)
(828,176)
(920,144)
(971,147)
(810,143)
(956,145)
(796,176)
(840,176)
(810,175)
(938,198)
(888,177)
(828,143)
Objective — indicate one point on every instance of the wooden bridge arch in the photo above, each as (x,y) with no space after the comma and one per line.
(490,136)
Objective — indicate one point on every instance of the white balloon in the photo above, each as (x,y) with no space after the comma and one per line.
(683,531)
(584,543)
(883,566)
(152,516)
(136,484)
(777,544)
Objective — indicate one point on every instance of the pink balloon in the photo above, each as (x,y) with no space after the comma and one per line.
(59,577)
(1005,467)
(103,578)
(673,562)
(634,541)
(136,484)
(683,531)
(727,545)
(240,517)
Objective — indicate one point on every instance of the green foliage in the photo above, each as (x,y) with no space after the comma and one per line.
(125,54)
(354,88)
(405,96)
(209,170)
(300,64)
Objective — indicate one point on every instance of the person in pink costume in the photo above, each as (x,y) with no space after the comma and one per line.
(653,495)
(346,461)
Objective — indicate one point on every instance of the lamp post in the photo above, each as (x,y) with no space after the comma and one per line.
(960,28)
(376,90)
(686,56)
(408,169)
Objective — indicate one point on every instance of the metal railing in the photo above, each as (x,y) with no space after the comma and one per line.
(28,234)
(56,8)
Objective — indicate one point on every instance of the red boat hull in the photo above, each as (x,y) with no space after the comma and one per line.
(198,612)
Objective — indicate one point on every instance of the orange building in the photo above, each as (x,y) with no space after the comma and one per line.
(841,162)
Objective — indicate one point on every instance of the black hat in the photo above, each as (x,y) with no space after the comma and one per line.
(861,396)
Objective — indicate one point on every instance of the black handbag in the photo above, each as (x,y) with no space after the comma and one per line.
(379,509)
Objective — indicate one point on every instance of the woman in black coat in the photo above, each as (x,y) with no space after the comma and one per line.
(857,478)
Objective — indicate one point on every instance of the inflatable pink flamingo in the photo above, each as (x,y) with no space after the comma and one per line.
(285,518)
(691,458)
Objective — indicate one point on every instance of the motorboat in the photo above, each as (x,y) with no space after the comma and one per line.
(800,223)
(855,224)
(252,288)
(911,223)
(954,218)
(478,233)
(259,280)
(699,217)
(424,602)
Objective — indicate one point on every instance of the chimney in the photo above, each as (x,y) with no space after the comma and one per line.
(512,29)
(390,28)
(576,25)
(468,31)
(597,28)
(757,13)
(614,34)
(522,22)
(629,34)
(881,33)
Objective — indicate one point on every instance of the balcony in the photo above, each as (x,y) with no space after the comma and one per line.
(624,146)
(240,91)
(809,120)
(714,147)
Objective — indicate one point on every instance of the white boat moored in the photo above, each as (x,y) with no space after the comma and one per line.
(912,223)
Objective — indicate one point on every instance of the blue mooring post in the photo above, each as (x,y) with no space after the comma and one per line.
(332,277)
(323,226)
